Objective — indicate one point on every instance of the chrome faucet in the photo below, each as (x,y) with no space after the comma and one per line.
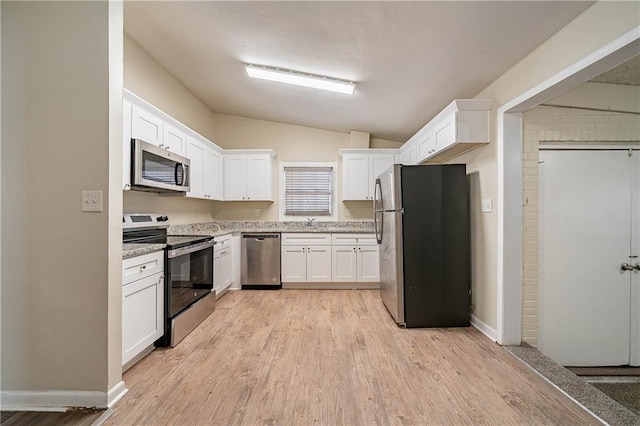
(309,222)
(217,226)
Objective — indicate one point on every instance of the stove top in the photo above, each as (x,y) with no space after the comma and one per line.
(151,228)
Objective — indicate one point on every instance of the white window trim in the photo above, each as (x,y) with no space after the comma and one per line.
(334,196)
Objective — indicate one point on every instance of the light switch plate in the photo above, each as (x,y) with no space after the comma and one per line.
(487,205)
(256,212)
(91,201)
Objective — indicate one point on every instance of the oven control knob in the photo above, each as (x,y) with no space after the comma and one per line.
(159,219)
(165,218)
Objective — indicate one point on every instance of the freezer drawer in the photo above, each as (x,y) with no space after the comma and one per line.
(260,264)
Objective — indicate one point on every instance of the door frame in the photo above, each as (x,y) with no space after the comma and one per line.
(509,140)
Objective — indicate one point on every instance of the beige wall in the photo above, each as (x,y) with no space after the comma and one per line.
(58,264)
(615,97)
(147,79)
(600,24)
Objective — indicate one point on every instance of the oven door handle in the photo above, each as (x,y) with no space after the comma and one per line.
(189,249)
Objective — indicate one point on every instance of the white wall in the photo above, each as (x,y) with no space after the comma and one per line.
(614,97)
(61,269)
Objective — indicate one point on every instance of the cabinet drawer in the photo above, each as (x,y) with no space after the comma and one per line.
(139,267)
(305,239)
(222,243)
(353,239)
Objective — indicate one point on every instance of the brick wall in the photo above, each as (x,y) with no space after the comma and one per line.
(552,124)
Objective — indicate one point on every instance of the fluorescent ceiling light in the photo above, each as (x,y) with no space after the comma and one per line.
(301,79)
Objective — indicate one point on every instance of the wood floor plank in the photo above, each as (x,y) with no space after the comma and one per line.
(333,357)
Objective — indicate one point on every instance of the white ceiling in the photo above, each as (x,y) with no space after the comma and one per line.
(408,59)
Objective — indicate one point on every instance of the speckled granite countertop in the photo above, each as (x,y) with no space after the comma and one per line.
(228,227)
(132,250)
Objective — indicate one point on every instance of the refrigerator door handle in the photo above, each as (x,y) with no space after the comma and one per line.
(377,210)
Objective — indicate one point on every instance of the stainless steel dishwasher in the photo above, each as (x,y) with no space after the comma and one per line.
(260,261)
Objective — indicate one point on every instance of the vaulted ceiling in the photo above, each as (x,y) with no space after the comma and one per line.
(408,59)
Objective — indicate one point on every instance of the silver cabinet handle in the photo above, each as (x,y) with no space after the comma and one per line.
(636,266)
(143,267)
(626,267)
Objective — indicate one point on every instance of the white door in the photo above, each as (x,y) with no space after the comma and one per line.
(343,264)
(355,177)
(368,264)
(378,163)
(196,153)
(586,301)
(294,264)
(258,177)
(217,275)
(213,174)
(174,139)
(235,177)
(319,264)
(146,126)
(225,269)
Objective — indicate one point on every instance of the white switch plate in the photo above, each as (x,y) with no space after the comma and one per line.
(257,212)
(487,205)
(91,201)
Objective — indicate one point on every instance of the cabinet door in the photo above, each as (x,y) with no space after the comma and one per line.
(343,264)
(212,174)
(146,126)
(425,147)
(126,144)
(378,163)
(355,177)
(174,139)
(217,276)
(235,167)
(142,315)
(294,264)
(259,177)
(319,264)
(445,134)
(368,264)
(196,153)
(225,269)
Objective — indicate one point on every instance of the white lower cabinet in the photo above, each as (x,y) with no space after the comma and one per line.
(355,258)
(142,303)
(222,264)
(330,258)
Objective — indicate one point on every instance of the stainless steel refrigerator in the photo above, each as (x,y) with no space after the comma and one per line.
(422,227)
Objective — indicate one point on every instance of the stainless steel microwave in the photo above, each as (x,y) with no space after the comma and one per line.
(158,170)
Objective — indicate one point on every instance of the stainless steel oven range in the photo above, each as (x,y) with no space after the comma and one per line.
(188,264)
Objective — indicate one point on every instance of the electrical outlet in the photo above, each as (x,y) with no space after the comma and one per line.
(91,201)
(256,212)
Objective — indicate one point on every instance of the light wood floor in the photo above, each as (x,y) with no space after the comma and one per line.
(303,357)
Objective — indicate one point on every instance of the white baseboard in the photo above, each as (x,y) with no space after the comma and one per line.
(115,394)
(484,328)
(60,400)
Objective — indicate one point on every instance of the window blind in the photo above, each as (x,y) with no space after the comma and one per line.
(308,191)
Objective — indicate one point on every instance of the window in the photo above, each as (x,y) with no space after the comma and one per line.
(306,191)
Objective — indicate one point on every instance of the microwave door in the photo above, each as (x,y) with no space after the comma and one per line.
(156,169)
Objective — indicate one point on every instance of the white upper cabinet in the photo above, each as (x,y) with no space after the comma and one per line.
(126,145)
(360,168)
(146,125)
(355,176)
(460,127)
(174,139)
(408,154)
(213,174)
(206,169)
(247,176)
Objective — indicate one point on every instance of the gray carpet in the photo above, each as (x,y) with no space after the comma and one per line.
(627,394)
